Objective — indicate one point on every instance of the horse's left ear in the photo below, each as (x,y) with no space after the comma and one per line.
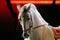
(28,7)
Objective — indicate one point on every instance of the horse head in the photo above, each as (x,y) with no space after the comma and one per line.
(29,17)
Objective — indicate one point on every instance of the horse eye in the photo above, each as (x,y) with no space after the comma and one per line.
(23,16)
(28,18)
(20,19)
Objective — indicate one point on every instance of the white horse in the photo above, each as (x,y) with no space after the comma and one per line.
(33,24)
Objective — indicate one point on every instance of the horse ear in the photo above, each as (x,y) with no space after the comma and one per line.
(20,10)
(28,8)
(18,7)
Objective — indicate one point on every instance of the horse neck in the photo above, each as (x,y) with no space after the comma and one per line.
(38,20)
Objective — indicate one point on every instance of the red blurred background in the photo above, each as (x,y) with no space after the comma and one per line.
(9,29)
(6,18)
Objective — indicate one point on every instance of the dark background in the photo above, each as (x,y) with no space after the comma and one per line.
(9,25)
(51,13)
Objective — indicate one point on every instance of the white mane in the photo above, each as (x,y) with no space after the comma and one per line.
(36,16)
